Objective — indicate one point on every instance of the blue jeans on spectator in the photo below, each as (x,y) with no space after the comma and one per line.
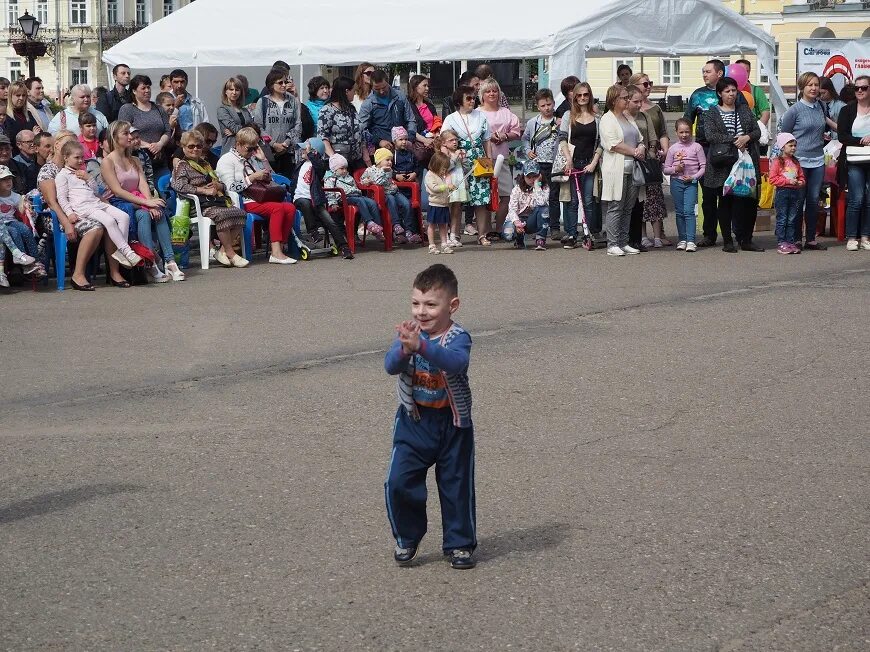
(22,236)
(810,198)
(787,202)
(858,207)
(593,218)
(400,212)
(537,223)
(145,228)
(367,208)
(685,195)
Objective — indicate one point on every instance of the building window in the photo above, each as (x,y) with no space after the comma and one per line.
(112,12)
(141,12)
(763,78)
(15,70)
(670,72)
(168,7)
(78,12)
(13,13)
(42,12)
(78,71)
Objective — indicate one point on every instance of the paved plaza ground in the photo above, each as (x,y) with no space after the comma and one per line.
(672,454)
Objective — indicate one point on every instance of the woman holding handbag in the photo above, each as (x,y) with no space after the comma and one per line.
(580,143)
(472,128)
(505,127)
(245,171)
(730,129)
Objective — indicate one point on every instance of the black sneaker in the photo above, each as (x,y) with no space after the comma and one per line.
(729,247)
(569,242)
(815,246)
(749,246)
(520,242)
(706,242)
(404,556)
(461,559)
(346,252)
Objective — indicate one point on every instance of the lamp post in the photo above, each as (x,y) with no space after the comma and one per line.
(30,47)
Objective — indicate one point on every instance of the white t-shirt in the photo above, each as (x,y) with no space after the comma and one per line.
(468,126)
(8,206)
(303,183)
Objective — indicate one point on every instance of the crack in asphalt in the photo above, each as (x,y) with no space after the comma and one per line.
(153,388)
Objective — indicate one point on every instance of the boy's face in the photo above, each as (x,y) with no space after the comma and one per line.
(89,131)
(401,143)
(6,185)
(433,309)
(546,107)
(135,140)
(386,164)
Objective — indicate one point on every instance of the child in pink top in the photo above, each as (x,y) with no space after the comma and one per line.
(787,176)
(685,163)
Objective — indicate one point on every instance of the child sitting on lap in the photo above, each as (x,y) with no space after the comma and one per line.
(339,177)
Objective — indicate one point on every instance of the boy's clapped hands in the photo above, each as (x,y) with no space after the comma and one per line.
(409,336)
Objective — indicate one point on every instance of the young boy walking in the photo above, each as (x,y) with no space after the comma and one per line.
(433,423)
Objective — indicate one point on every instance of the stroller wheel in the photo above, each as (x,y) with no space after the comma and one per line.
(333,250)
(303,253)
(588,245)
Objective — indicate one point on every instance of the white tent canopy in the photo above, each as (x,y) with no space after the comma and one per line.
(224,36)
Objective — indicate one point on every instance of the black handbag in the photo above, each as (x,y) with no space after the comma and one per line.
(647,172)
(723,155)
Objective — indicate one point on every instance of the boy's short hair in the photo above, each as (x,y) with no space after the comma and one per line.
(164,95)
(437,276)
(568,84)
(87,118)
(543,94)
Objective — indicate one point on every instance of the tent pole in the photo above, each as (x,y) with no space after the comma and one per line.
(418,68)
(196,81)
(299,83)
(463,66)
(523,75)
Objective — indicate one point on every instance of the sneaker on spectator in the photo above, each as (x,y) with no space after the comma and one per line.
(360,231)
(399,234)
(470,230)
(649,244)
(4,280)
(238,261)
(415,238)
(865,242)
(433,249)
(445,248)
(665,242)
(569,242)
(121,258)
(454,242)
(221,257)
(520,241)
(628,249)
(783,248)
(681,245)
(346,253)
(615,251)
(795,249)
(852,245)
(133,257)
(375,229)
(21,258)
(172,270)
(156,275)
(540,244)
(691,246)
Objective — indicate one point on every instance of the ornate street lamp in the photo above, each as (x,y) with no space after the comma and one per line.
(30,47)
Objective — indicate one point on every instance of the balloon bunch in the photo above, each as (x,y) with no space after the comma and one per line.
(738,73)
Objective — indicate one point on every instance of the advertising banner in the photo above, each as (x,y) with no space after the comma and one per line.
(839,59)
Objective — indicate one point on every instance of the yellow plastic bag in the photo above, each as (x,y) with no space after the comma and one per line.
(765,198)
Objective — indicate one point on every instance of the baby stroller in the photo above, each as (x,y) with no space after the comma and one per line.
(588,242)
(299,248)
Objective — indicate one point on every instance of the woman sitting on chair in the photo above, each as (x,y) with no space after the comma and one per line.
(245,165)
(194,176)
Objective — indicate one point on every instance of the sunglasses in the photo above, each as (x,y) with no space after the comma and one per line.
(282,82)
(368,73)
(469,98)
(646,84)
(577,96)
(193,147)
(861,89)
(251,150)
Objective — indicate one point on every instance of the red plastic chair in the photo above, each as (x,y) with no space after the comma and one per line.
(416,204)
(380,197)
(348,213)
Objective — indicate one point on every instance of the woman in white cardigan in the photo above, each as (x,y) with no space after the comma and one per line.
(245,164)
(622,143)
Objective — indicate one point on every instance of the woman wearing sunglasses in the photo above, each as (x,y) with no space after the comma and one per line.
(278,117)
(245,165)
(652,210)
(362,83)
(853,129)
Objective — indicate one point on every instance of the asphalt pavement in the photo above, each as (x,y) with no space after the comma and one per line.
(672,454)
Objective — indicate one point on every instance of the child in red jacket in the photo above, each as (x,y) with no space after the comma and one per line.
(788,178)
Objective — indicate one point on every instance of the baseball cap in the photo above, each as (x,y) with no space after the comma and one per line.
(5,172)
(4,140)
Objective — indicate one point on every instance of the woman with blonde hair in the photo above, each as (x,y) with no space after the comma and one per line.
(233,114)
(504,126)
(18,117)
(622,144)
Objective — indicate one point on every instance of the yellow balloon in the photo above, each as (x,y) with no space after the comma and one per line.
(749,99)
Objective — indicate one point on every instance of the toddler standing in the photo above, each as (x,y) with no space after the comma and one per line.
(439,187)
(339,177)
(686,164)
(787,177)
(78,198)
(381,174)
(447,142)
(433,424)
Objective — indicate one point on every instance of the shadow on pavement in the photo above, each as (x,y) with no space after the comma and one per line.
(56,500)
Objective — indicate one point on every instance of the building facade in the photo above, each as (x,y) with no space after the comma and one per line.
(786,20)
(76,32)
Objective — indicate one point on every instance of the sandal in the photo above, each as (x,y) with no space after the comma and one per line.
(482,240)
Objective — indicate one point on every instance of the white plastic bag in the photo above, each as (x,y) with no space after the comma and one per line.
(741,181)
